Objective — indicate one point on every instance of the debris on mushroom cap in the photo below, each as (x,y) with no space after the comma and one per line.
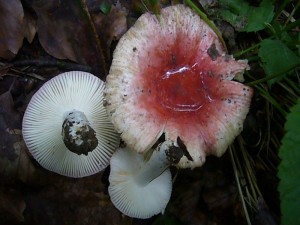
(140,188)
(171,75)
(66,127)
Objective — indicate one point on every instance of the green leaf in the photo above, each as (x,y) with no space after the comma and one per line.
(235,13)
(105,7)
(289,169)
(277,58)
(260,16)
(245,17)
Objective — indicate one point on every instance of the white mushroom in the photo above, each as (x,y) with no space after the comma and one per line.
(66,128)
(139,187)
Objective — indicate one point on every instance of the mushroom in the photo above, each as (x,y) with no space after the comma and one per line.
(66,127)
(171,75)
(139,187)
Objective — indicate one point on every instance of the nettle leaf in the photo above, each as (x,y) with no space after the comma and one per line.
(259,16)
(289,169)
(277,58)
(245,17)
(234,12)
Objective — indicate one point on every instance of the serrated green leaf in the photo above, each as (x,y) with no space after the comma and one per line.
(235,13)
(245,17)
(259,16)
(277,58)
(289,169)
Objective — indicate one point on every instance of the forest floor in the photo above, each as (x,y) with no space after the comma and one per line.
(42,40)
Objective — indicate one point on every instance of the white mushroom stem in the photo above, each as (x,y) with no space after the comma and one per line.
(156,165)
(75,122)
(79,137)
(139,188)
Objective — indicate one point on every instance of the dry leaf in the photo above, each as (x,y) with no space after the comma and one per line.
(110,27)
(30,26)
(14,161)
(11,29)
(219,198)
(65,32)
(8,115)
(72,201)
(12,207)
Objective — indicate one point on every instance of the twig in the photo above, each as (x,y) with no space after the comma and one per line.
(236,174)
(86,12)
(208,21)
(52,63)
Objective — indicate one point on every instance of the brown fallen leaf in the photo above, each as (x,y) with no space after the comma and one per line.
(30,26)
(71,201)
(66,32)
(220,197)
(15,164)
(12,206)
(11,29)
(9,117)
(110,27)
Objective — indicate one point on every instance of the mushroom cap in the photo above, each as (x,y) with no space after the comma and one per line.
(44,117)
(128,196)
(171,75)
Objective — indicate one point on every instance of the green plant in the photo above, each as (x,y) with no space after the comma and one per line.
(273,52)
(289,172)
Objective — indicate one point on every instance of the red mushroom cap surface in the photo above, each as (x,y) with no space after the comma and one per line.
(170,74)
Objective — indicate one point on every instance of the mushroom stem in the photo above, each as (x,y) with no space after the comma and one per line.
(78,136)
(156,165)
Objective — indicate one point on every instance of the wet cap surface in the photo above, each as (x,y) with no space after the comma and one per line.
(171,75)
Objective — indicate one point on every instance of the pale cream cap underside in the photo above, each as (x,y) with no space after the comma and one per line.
(127,195)
(44,116)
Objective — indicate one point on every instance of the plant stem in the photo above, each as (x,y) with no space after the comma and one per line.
(292,25)
(155,166)
(246,50)
(267,78)
(292,84)
(270,99)
(281,7)
(208,21)
(292,13)
(236,174)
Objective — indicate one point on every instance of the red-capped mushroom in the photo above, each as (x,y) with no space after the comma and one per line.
(170,74)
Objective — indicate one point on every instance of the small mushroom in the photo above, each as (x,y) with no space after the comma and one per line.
(171,75)
(139,187)
(66,127)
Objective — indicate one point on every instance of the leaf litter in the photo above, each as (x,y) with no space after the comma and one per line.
(42,39)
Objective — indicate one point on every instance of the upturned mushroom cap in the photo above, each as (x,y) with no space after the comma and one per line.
(171,75)
(68,111)
(139,188)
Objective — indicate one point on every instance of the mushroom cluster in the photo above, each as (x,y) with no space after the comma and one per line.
(66,127)
(171,75)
